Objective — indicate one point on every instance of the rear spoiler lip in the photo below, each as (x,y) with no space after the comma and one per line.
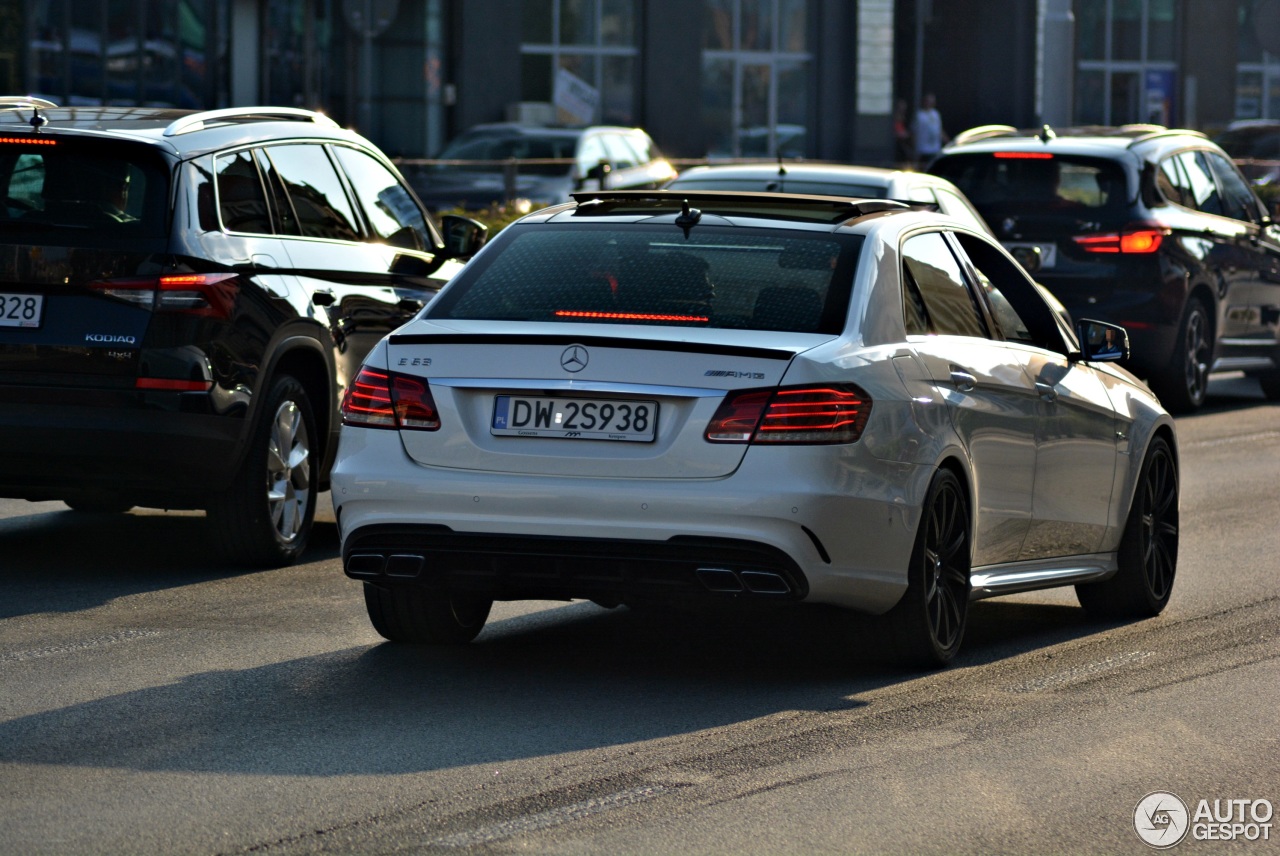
(783,354)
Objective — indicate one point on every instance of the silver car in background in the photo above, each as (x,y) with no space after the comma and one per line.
(730,399)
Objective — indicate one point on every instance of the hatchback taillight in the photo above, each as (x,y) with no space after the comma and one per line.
(211,295)
(378,399)
(1139,239)
(830,414)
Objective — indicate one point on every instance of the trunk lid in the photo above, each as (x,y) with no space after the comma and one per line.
(530,373)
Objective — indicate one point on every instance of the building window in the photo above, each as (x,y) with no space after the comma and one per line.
(163,53)
(1258,69)
(755,77)
(1125,68)
(580,57)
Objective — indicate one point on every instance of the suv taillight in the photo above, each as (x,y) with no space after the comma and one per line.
(1137,239)
(799,414)
(378,399)
(211,295)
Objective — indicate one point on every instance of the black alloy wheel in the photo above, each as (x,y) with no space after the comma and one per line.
(408,613)
(1186,384)
(928,624)
(1148,555)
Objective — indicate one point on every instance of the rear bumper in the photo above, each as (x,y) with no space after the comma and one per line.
(834,523)
(147,448)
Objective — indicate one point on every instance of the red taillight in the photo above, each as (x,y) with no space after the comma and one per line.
(808,414)
(28,141)
(1134,241)
(211,295)
(378,399)
(171,385)
(1023,155)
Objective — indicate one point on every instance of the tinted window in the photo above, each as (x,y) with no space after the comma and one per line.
(388,206)
(759,280)
(948,305)
(1237,199)
(242,202)
(1019,310)
(1047,186)
(1202,190)
(95,186)
(315,192)
(1173,183)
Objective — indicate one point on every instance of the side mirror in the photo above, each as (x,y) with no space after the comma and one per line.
(463,237)
(1101,342)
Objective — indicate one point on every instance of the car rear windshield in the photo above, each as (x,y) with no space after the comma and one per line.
(1037,183)
(52,183)
(753,279)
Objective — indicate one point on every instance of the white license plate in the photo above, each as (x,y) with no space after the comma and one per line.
(575,418)
(1033,257)
(21,310)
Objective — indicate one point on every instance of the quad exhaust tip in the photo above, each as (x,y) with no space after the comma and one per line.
(728,581)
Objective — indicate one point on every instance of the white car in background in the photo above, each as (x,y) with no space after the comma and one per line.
(658,397)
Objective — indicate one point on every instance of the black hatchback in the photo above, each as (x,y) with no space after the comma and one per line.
(184,298)
(1142,226)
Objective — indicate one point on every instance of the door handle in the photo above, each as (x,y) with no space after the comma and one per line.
(1047,391)
(963,380)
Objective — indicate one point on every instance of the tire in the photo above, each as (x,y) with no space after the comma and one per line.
(928,624)
(264,518)
(1185,382)
(1270,385)
(413,614)
(1148,555)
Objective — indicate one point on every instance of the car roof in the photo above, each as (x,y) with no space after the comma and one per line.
(735,208)
(185,133)
(772,169)
(1088,140)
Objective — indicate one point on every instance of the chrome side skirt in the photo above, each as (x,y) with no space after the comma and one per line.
(995,580)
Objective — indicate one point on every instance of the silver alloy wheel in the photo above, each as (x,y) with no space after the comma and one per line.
(288,471)
(1196,350)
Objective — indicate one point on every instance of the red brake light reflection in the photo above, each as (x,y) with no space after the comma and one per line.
(28,141)
(632,316)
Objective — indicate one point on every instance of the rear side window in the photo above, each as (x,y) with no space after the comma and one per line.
(936,293)
(61,184)
(315,192)
(242,202)
(741,279)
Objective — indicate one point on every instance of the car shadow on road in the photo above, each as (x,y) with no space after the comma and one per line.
(65,561)
(568,679)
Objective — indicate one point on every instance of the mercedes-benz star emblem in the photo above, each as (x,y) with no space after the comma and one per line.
(574,358)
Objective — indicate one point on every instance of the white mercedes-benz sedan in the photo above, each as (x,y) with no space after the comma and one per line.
(665,397)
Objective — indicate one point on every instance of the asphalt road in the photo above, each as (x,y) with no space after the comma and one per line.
(152,702)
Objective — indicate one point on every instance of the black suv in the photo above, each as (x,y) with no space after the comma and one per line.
(1142,226)
(183,300)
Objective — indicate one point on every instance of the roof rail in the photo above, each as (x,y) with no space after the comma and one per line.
(203,119)
(982,132)
(11,102)
(1164,132)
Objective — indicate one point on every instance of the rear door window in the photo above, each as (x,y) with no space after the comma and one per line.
(242,201)
(935,289)
(315,191)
